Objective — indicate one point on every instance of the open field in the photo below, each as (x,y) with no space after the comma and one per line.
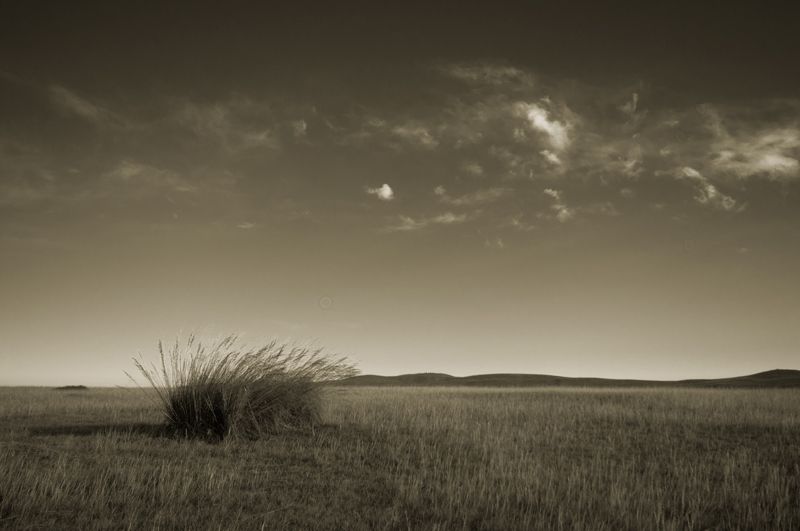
(413,458)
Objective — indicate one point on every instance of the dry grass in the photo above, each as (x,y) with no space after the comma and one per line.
(411,458)
(225,388)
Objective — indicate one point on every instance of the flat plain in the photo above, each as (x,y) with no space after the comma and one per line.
(431,458)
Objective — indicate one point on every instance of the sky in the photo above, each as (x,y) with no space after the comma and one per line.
(563,188)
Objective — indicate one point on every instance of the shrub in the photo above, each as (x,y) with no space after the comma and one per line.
(228,389)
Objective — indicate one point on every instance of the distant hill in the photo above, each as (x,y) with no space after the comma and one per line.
(774,378)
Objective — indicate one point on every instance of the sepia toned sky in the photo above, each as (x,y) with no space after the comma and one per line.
(564,188)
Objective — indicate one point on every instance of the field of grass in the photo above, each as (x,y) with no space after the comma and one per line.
(412,458)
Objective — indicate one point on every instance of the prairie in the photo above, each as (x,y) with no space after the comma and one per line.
(412,458)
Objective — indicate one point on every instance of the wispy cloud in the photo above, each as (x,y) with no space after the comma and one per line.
(481,196)
(630,107)
(237,125)
(415,133)
(516,222)
(472,168)
(771,152)
(148,176)
(606,208)
(17,194)
(563,213)
(69,102)
(299,129)
(707,193)
(399,135)
(488,74)
(410,224)
(496,243)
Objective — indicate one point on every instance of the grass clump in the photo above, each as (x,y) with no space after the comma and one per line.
(214,390)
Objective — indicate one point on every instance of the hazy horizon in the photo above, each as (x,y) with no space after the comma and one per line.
(573,190)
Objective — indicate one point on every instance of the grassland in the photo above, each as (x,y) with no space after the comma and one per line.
(413,458)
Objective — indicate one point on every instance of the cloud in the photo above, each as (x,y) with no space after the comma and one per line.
(550,156)
(448,217)
(384,193)
(415,134)
(246,225)
(555,194)
(238,124)
(497,243)
(487,74)
(516,222)
(23,193)
(299,129)
(147,177)
(563,213)
(630,107)
(71,103)
(472,168)
(407,224)
(481,196)
(398,136)
(539,119)
(369,127)
(632,164)
(770,153)
(515,163)
(410,224)
(607,208)
(707,193)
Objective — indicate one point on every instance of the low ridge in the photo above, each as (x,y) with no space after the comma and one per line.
(774,378)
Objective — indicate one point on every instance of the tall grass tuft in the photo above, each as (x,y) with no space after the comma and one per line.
(225,388)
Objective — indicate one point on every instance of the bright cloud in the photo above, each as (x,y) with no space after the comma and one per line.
(539,119)
(384,193)
(550,156)
(555,194)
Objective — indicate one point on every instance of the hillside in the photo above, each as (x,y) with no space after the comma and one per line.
(775,378)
